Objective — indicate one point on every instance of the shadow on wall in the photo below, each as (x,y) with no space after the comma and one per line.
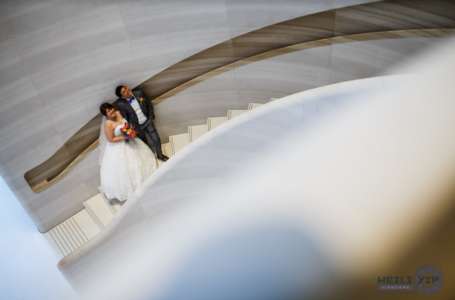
(271,261)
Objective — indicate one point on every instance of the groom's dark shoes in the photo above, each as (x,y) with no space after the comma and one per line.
(163,157)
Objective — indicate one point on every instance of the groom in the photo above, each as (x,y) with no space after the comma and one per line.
(138,111)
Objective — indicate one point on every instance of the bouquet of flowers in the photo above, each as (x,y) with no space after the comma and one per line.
(128,132)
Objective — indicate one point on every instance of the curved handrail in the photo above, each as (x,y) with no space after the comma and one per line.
(190,173)
(60,163)
(345,21)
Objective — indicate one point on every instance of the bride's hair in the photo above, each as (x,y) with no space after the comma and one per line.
(104,107)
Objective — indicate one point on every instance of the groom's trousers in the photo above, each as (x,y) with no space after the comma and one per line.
(149,135)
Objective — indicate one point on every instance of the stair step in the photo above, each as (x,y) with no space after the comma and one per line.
(179,141)
(196,131)
(167,149)
(214,122)
(254,105)
(74,232)
(56,243)
(118,206)
(160,162)
(232,113)
(87,224)
(100,210)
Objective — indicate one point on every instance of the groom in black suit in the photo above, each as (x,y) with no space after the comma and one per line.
(138,111)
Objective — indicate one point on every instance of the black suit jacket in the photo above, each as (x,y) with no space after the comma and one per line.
(129,114)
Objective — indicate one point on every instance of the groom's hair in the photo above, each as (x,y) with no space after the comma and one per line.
(118,90)
(104,107)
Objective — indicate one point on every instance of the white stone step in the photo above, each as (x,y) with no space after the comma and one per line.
(74,232)
(100,210)
(214,122)
(178,141)
(53,243)
(197,131)
(116,206)
(167,149)
(232,113)
(254,105)
(160,162)
(87,224)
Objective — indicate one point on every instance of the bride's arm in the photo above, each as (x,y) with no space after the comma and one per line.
(120,117)
(109,131)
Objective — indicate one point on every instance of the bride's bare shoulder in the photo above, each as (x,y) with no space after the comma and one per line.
(109,124)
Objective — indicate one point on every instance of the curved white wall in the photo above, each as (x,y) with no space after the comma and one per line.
(203,173)
(325,189)
(317,200)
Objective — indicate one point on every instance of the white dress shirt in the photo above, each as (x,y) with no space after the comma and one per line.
(137,109)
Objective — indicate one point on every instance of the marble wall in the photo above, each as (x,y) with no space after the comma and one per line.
(59,59)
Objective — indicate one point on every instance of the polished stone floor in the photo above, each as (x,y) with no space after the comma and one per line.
(28,268)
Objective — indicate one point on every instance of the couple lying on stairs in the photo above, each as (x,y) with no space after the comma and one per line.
(127,139)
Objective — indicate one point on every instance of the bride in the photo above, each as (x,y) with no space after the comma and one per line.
(125,162)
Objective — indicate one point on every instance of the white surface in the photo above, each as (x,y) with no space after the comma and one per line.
(27,260)
(179,141)
(203,167)
(196,131)
(67,236)
(167,150)
(232,113)
(74,232)
(214,122)
(252,106)
(86,223)
(229,147)
(354,158)
(99,210)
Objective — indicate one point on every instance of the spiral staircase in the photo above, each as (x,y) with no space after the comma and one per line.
(98,212)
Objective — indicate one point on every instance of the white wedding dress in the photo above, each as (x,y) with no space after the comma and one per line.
(124,165)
